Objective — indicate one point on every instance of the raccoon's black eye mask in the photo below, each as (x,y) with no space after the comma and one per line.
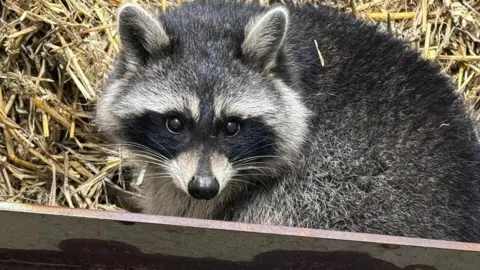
(170,134)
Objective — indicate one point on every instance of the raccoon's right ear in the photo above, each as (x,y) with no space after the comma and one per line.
(264,37)
(141,34)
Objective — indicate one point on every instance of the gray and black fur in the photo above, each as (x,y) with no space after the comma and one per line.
(375,140)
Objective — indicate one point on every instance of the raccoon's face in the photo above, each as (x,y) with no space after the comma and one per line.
(205,108)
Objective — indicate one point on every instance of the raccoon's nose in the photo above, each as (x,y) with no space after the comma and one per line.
(203,187)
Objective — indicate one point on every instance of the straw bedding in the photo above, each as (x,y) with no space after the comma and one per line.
(55,55)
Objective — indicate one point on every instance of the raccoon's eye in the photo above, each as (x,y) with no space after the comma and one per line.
(232,128)
(175,125)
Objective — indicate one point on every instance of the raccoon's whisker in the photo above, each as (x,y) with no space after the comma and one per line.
(150,153)
(145,160)
(256,157)
(148,157)
(132,145)
(251,164)
(235,182)
(157,174)
(161,175)
(259,169)
(246,154)
(246,160)
(126,143)
(139,157)
(240,181)
(160,164)
(163,147)
(156,178)
(252,174)
(252,158)
(249,167)
(249,182)
(140,146)
(250,147)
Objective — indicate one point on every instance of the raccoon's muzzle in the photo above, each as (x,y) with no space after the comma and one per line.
(203,187)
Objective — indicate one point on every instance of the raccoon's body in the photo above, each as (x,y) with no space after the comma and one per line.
(297,116)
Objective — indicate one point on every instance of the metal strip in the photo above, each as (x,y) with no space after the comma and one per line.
(66,237)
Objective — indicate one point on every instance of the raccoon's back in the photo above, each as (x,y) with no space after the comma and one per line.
(391,148)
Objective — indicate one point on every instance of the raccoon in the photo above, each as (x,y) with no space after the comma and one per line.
(292,115)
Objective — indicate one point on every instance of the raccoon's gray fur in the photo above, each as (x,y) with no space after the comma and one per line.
(231,103)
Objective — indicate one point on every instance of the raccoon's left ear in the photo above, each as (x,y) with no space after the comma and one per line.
(264,36)
(142,35)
